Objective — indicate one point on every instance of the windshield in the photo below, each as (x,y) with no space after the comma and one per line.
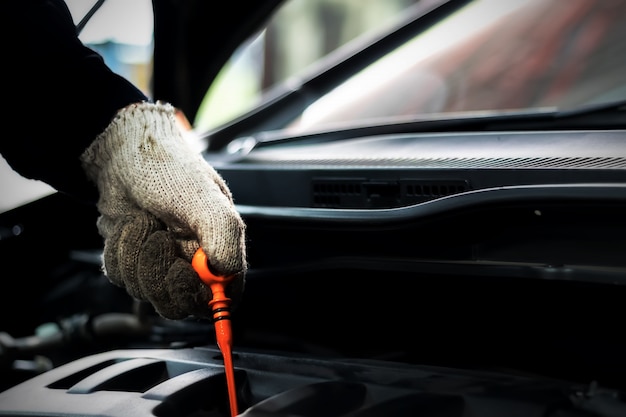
(489,57)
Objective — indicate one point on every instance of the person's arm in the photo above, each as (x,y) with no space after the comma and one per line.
(92,134)
(58,93)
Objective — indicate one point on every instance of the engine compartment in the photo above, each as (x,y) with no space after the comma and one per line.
(504,294)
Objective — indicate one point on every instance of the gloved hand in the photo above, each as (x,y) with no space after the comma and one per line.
(159,201)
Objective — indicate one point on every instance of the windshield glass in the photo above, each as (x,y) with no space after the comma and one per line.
(490,56)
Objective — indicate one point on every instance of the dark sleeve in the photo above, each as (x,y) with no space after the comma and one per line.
(59,94)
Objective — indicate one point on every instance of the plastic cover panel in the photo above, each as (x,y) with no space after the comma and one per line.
(190,382)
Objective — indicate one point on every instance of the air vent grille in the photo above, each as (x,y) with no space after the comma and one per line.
(368,193)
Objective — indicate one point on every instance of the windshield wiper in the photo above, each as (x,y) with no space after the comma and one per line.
(605,115)
(608,115)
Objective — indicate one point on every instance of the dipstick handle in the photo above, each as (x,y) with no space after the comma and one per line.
(220,306)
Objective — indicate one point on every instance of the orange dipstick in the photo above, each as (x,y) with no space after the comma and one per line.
(220,305)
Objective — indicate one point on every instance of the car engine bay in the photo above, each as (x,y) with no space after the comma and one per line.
(442,275)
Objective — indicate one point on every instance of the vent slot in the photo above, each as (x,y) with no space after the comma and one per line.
(134,375)
(368,193)
(79,375)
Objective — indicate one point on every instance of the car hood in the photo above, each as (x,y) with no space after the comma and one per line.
(181,74)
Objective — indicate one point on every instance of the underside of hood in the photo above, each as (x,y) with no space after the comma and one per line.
(193,39)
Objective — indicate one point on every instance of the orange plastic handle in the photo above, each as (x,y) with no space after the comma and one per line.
(217,283)
(220,306)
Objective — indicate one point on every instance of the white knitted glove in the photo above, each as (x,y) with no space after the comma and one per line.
(159,201)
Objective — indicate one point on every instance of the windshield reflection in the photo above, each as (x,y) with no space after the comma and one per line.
(490,56)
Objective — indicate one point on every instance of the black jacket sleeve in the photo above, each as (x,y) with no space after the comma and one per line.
(58,93)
